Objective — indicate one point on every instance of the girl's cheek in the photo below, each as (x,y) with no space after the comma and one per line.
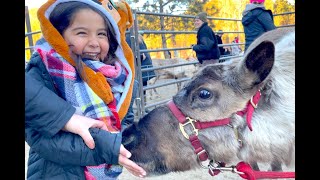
(71,52)
(105,50)
(104,55)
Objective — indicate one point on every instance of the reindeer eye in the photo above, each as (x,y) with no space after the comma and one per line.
(204,94)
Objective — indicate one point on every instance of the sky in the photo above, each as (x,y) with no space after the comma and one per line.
(34,3)
(38,3)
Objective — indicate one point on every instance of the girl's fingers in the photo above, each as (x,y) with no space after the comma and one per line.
(100,125)
(131,166)
(124,151)
(87,138)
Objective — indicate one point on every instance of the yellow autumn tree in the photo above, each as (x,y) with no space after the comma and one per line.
(229,10)
(35,26)
(283,6)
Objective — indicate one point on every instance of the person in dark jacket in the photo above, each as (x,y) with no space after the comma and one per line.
(256,20)
(206,49)
(146,61)
(70,73)
(223,51)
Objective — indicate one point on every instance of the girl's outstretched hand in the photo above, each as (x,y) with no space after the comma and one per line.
(131,166)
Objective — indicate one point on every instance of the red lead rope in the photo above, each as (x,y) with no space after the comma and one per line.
(246,172)
(250,174)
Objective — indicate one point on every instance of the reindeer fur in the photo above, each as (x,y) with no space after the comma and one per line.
(157,144)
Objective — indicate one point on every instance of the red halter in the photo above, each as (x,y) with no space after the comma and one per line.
(243,169)
(197,125)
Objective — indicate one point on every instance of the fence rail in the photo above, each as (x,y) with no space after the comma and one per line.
(133,31)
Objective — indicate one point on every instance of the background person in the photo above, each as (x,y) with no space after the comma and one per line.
(223,51)
(256,20)
(235,49)
(206,49)
(146,61)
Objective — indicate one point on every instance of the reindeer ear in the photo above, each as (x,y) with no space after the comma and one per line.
(260,61)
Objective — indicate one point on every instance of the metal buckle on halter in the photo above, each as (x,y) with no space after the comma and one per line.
(252,103)
(216,166)
(236,133)
(189,121)
(204,164)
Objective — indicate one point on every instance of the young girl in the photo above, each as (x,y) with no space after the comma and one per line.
(81,60)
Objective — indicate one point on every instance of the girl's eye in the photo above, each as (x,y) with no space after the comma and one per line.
(102,34)
(81,33)
(204,94)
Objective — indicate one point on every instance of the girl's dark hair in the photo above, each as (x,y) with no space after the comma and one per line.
(63,15)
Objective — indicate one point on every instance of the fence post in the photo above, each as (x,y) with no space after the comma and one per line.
(28,25)
(141,104)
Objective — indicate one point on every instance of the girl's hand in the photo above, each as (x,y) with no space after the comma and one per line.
(131,166)
(80,125)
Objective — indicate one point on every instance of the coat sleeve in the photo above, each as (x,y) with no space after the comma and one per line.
(69,149)
(40,112)
(206,43)
(267,21)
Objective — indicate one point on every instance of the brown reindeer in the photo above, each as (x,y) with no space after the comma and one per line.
(217,93)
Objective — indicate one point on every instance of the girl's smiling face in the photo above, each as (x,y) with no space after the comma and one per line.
(87,35)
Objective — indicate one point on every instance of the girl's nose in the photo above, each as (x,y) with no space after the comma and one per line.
(93,42)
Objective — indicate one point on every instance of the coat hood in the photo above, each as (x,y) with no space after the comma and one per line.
(249,15)
(96,81)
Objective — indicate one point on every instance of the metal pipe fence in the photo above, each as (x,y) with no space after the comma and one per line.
(140,104)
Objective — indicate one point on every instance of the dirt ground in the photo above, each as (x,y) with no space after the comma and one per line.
(199,174)
(193,174)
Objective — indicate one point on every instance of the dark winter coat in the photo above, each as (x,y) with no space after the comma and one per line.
(222,50)
(207,44)
(256,22)
(56,154)
(146,63)
(37,97)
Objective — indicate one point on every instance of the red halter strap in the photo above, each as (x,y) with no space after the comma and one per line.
(251,105)
(197,125)
(243,169)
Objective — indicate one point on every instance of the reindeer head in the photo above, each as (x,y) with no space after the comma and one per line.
(215,92)
(218,91)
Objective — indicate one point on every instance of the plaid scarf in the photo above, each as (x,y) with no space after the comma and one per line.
(76,91)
